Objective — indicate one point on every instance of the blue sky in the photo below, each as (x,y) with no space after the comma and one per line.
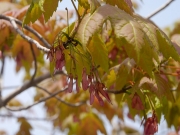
(162,19)
(165,17)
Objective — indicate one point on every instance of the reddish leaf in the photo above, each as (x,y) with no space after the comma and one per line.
(90,124)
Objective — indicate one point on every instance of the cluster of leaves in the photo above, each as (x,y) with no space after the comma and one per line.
(109,49)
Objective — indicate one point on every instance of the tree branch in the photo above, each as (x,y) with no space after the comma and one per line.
(29,118)
(123,90)
(41,100)
(59,99)
(76,10)
(27,85)
(13,22)
(35,62)
(160,9)
(1,73)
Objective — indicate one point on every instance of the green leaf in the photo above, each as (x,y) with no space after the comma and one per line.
(164,87)
(161,107)
(123,73)
(76,64)
(136,43)
(49,6)
(84,3)
(160,86)
(126,29)
(150,30)
(166,46)
(99,52)
(34,11)
(160,42)
(39,7)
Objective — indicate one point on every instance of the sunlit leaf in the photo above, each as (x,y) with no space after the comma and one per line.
(142,47)
(34,11)
(49,7)
(111,78)
(166,46)
(125,5)
(84,3)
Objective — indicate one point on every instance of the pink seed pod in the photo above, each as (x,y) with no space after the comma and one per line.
(70,85)
(151,126)
(85,82)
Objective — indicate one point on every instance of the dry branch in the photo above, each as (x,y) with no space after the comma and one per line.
(39,46)
(41,100)
(62,101)
(27,85)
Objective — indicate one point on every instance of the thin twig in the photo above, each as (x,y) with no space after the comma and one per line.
(123,90)
(30,118)
(79,18)
(1,72)
(74,31)
(39,46)
(160,9)
(41,100)
(64,102)
(27,85)
(35,62)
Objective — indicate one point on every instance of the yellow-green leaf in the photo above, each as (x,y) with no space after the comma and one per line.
(111,78)
(128,32)
(49,6)
(34,11)
(166,46)
(84,3)
(125,5)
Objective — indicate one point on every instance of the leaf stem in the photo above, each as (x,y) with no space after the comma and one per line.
(41,100)
(30,118)
(27,85)
(59,99)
